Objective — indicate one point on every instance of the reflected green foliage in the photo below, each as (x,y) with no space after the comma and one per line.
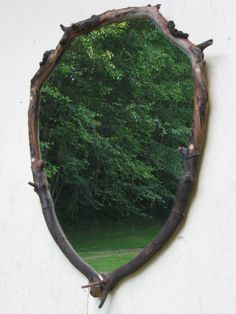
(112,117)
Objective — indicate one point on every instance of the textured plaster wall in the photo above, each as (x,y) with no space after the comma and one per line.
(197,272)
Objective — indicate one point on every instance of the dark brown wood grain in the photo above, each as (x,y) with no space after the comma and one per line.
(101,285)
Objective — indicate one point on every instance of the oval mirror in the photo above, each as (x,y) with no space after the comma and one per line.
(116,134)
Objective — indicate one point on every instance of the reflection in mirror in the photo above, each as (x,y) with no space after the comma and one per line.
(113,115)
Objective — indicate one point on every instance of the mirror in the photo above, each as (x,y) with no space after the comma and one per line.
(110,137)
(113,115)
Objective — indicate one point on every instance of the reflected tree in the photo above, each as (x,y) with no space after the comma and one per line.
(113,115)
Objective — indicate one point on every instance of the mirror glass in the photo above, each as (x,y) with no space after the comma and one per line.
(112,117)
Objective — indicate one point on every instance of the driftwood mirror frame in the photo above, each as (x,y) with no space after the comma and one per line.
(101,285)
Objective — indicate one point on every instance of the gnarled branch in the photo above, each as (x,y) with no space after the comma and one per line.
(100,287)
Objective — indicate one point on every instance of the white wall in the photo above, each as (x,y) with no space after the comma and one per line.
(197,272)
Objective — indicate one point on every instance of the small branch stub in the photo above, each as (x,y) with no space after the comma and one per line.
(63,27)
(100,287)
(205,44)
(33,185)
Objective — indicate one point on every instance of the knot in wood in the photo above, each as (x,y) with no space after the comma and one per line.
(175,32)
(97,291)
(45,57)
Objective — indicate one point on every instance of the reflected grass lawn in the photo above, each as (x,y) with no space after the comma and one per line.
(105,261)
(108,245)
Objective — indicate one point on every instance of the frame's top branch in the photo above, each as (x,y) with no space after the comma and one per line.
(108,17)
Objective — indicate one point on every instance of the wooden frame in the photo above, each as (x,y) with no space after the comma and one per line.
(101,285)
